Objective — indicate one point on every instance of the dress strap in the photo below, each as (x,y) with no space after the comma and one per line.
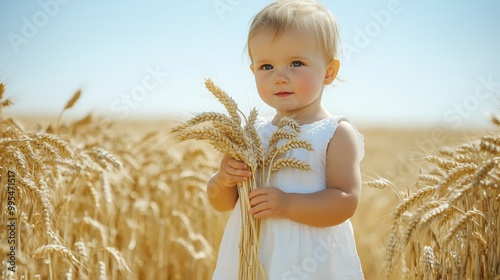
(334,122)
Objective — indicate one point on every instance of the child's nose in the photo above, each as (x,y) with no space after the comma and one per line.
(280,78)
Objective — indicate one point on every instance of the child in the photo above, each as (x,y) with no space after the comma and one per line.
(306,232)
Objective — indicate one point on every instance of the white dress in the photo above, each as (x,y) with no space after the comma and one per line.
(290,250)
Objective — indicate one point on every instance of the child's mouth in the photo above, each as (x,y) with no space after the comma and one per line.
(283,93)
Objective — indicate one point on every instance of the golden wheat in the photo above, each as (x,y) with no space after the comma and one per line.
(138,203)
(244,144)
(450,217)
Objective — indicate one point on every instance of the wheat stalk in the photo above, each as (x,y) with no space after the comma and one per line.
(453,222)
(244,144)
(225,99)
(56,249)
(2,90)
(71,102)
(117,256)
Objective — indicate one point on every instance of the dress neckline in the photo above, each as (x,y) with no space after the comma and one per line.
(302,125)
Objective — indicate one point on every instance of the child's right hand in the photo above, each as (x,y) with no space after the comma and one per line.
(232,172)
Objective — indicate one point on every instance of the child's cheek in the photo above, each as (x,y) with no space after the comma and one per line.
(262,86)
(306,83)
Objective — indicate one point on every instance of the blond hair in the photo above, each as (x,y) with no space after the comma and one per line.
(300,15)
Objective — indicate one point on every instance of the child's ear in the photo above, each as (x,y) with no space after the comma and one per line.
(331,71)
(251,68)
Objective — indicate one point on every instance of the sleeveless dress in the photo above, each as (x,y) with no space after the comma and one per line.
(291,250)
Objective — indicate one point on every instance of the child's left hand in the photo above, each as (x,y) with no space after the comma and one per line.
(268,202)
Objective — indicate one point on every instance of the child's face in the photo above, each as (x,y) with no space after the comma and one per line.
(290,71)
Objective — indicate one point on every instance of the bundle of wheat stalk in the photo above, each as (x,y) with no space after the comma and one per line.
(450,227)
(227,135)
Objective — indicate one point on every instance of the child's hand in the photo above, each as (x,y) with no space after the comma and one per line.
(268,202)
(232,172)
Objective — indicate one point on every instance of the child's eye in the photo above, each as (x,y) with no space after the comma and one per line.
(266,67)
(296,63)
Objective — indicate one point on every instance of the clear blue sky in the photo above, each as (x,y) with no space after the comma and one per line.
(429,62)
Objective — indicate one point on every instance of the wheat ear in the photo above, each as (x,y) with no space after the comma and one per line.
(225,99)
(71,102)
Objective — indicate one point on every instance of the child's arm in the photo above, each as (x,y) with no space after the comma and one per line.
(221,188)
(329,207)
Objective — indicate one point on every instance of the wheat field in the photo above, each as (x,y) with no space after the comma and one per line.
(97,199)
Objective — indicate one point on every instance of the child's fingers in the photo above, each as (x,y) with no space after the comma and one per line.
(234,176)
(257,191)
(237,168)
(235,179)
(256,200)
(233,171)
(236,164)
(240,173)
(268,202)
(261,211)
